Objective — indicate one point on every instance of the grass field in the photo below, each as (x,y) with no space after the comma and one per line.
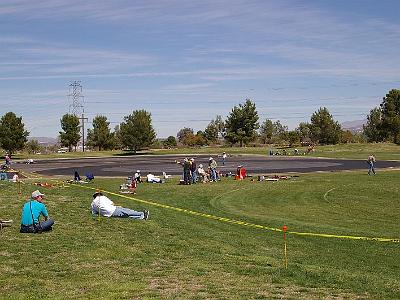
(178,255)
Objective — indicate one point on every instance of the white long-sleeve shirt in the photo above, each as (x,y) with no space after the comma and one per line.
(106,206)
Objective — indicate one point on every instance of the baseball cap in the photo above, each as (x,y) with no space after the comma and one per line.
(36,194)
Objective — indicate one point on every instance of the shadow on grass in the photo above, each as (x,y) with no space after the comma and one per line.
(131,153)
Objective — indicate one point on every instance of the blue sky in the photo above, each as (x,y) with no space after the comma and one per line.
(188,61)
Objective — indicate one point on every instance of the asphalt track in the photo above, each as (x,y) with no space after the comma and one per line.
(156,164)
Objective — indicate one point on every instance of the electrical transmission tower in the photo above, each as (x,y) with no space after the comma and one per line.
(76,108)
(75,94)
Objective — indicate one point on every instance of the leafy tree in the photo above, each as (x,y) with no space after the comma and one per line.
(372,130)
(211,132)
(292,137)
(348,137)
(13,135)
(184,135)
(304,130)
(170,142)
(100,136)
(137,131)
(279,132)
(33,146)
(200,138)
(266,131)
(323,128)
(221,127)
(117,144)
(242,123)
(391,115)
(70,135)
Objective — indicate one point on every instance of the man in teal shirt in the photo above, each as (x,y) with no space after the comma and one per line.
(31,212)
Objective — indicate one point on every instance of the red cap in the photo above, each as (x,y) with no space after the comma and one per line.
(284,228)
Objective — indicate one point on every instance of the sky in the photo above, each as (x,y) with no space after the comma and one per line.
(187,61)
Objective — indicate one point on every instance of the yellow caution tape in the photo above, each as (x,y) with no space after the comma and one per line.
(231,221)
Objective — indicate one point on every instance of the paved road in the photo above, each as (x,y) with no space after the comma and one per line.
(125,166)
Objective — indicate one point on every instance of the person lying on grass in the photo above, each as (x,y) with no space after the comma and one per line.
(108,209)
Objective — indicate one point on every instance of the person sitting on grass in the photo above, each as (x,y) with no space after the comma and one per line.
(89,177)
(203,176)
(77,178)
(107,208)
(31,212)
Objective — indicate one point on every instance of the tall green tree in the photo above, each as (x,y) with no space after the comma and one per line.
(170,142)
(242,123)
(215,130)
(137,132)
(117,144)
(279,132)
(211,132)
(292,137)
(70,135)
(390,107)
(266,130)
(13,135)
(323,128)
(221,126)
(100,136)
(185,135)
(304,130)
(373,129)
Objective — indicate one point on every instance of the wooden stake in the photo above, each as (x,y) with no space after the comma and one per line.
(284,228)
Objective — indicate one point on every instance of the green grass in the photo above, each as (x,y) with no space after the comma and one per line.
(176,255)
(383,151)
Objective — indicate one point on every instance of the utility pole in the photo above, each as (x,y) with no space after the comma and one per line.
(76,108)
(83,119)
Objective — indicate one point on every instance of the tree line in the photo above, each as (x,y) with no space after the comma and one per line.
(240,128)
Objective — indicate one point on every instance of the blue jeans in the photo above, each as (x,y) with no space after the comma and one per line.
(214,174)
(194,176)
(371,168)
(122,212)
(46,225)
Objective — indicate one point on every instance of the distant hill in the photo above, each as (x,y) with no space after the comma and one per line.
(45,141)
(354,126)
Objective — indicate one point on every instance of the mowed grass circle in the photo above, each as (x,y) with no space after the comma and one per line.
(340,204)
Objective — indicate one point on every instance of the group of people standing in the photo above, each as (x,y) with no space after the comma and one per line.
(193,173)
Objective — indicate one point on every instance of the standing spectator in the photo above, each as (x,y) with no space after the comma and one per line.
(212,165)
(224,156)
(8,161)
(371,164)
(193,170)
(31,212)
(186,170)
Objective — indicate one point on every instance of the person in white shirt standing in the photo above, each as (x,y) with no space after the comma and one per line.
(108,209)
